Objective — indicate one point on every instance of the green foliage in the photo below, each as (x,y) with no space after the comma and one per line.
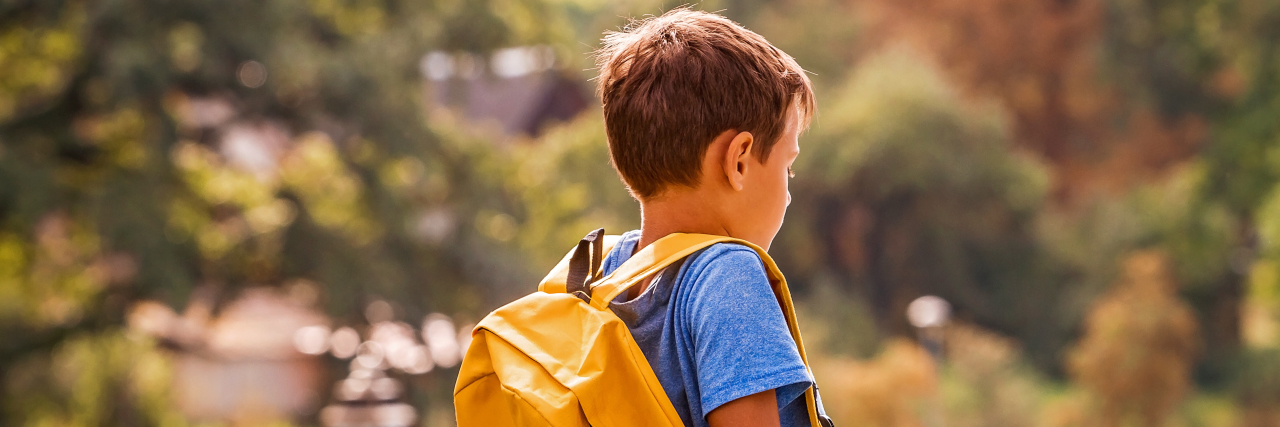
(1257,386)
(903,189)
(546,194)
(987,383)
(897,122)
(120,178)
(87,377)
(1216,59)
(568,188)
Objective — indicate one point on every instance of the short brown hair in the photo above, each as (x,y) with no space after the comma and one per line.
(671,84)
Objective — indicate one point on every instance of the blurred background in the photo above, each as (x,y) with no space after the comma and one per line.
(291,212)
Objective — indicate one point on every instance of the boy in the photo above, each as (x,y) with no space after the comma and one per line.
(702,118)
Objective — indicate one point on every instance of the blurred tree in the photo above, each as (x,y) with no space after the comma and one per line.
(1215,59)
(1256,379)
(985,381)
(562,186)
(904,190)
(822,35)
(1038,59)
(152,147)
(1139,347)
(886,391)
(1117,93)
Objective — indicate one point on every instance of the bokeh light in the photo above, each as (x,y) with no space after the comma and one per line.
(252,74)
(442,339)
(928,312)
(370,355)
(312,339)
(344,342)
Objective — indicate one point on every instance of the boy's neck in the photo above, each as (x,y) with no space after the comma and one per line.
(679,211)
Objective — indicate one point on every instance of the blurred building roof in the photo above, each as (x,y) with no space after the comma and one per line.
(519,88)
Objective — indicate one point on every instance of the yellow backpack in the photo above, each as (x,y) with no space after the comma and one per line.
(560,357)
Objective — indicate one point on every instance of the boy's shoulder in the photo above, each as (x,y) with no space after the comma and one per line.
(728,258)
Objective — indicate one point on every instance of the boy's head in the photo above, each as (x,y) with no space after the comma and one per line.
(673,84)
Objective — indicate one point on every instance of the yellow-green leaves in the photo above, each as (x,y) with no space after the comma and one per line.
(332,195)
(185,43)
(36,62)
(53,277)
(312,170)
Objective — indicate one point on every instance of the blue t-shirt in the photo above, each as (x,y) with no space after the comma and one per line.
(713,332)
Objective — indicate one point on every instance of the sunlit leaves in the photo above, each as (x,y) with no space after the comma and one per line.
(403,174)
(313,170)
(496,225)
(84,377)
(120,134)
(351,18)
(56,276)
(1260,322)
(1260,314)
(216,183)
(185,43)
(332,195)
(36,61)
(1269,224)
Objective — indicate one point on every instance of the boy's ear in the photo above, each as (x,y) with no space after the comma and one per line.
(736,159)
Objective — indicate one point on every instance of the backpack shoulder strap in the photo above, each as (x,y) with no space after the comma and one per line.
(649,261)
(555,282)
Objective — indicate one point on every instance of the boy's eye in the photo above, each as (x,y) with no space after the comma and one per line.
(791,173)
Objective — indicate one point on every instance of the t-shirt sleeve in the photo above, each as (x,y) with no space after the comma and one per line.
(741,342)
